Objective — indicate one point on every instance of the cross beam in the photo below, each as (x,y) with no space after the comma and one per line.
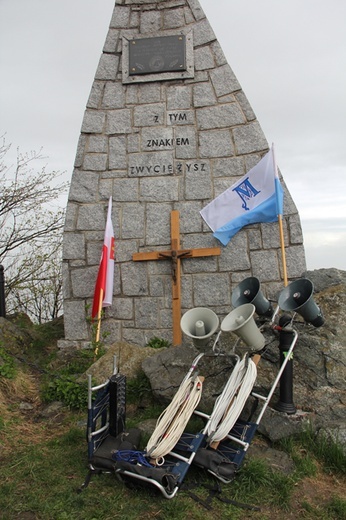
(175,254)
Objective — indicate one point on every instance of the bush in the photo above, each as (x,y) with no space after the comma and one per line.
(156,342)
(8,368)
(67,390)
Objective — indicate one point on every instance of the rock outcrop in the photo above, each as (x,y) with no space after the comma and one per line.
(319,367)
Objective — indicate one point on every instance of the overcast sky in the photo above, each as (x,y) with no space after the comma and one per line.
(288,55)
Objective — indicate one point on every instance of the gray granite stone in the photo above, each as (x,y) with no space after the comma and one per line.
(158,230)
(76,326)
(119,121)
(147,313)
(149,115)
(91,216)
(97,144)
(179,97)
(211,289)
(112,40)
(224,80)
(159,189)
(125,190)
(84,186)
(121,16)
(151,22)
(173,19)
(249,138)
(74,246)
(93,122)
(215,143)
(108,67)
(203,95)
(265,265)
(134,279)
(117,153)
(204,59)
(198,185)
(219,116)
(203,33)
(95,161)
(114,96)
(133,223)
(95,95)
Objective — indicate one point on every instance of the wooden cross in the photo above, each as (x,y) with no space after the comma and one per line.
(175,254)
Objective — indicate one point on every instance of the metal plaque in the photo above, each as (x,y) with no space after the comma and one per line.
(155,55)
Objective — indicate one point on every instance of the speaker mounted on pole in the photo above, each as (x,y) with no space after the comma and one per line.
(248,291)
(297,297)
(241,322)
(199,324)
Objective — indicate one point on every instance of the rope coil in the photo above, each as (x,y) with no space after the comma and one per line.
(173,420)
(230,403)
(132,456)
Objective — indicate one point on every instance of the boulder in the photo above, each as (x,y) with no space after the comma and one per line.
(167,369)
(14,338)
(129,359)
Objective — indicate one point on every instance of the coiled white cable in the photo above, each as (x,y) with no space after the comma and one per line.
(231,401)
(172,422)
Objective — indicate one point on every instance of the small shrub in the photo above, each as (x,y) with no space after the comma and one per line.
(156,342)
(81,361)
(138,388)
(8,368)
(65,389)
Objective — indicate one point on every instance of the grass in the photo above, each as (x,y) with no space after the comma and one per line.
(49,478)
(41,474)
(44,463)
(335,509)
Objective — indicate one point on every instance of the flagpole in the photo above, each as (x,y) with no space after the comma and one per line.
(98,328)
(104,283)
(281,230)
(283,253)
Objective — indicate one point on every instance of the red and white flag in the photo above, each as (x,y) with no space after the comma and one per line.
(103,293)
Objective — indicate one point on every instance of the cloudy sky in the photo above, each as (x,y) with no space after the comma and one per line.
(288,55)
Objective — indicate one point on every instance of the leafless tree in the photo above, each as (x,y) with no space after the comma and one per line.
(31,224)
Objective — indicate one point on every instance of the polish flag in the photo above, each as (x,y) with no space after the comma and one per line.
(103,293)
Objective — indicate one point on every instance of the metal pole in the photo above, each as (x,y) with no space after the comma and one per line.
(285,403)
(2,293)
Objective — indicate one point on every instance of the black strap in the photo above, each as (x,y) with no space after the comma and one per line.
(238,504)
(86,482)
(215,491)
(199,500)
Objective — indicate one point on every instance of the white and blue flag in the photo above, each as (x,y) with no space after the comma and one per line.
(256,197)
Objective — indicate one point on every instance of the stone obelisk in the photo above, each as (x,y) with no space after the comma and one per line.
(166,129)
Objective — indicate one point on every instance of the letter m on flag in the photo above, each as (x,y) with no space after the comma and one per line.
(246,191)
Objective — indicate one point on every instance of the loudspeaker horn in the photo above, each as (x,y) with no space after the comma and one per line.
(199,324)
(297,297)
(241,322)
(248,291)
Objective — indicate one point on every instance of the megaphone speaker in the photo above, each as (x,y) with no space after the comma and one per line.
(248,291)
(297,297)
(199,324)
(241,322)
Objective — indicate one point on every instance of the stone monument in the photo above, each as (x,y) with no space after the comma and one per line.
(166,129)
